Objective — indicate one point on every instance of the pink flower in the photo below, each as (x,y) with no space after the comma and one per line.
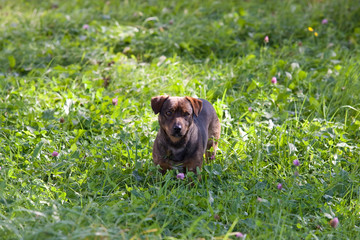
(114,101)
(266,39)
(250,109)
(85,26)
(324,21)
(55,154)
(180,176)
(239,235)
(274,80)
(259,199)
(279,186)
(296,162)
(334,222)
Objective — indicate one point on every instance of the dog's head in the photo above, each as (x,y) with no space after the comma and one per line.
(176,114)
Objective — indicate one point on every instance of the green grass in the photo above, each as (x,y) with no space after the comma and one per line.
(62,63)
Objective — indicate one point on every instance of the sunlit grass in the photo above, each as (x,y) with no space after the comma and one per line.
(76,126)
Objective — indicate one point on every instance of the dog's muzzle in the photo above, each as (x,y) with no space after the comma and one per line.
(177,131)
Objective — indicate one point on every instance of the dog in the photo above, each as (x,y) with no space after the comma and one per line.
(189,128)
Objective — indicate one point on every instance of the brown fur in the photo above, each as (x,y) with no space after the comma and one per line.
(189,128)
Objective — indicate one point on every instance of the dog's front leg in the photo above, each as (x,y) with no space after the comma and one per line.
(194,163)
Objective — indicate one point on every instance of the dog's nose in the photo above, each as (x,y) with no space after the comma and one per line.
(177,128)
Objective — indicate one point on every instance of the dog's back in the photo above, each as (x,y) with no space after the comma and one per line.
(208,122)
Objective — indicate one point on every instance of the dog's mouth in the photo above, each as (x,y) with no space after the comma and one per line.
(177,135)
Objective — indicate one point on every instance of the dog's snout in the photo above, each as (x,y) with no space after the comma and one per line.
(177,128)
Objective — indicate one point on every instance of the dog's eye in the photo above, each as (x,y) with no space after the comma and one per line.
(186,114)
(168,113)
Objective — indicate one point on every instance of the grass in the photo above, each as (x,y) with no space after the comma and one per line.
(62,64)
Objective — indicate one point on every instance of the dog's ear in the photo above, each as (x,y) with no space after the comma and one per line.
(196,104)
(157,102)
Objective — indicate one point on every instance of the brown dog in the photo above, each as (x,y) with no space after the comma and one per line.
(189,128)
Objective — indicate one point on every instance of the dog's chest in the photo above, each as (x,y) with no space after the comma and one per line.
(176,154)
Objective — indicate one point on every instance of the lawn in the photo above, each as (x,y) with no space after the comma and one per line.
(77,129)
